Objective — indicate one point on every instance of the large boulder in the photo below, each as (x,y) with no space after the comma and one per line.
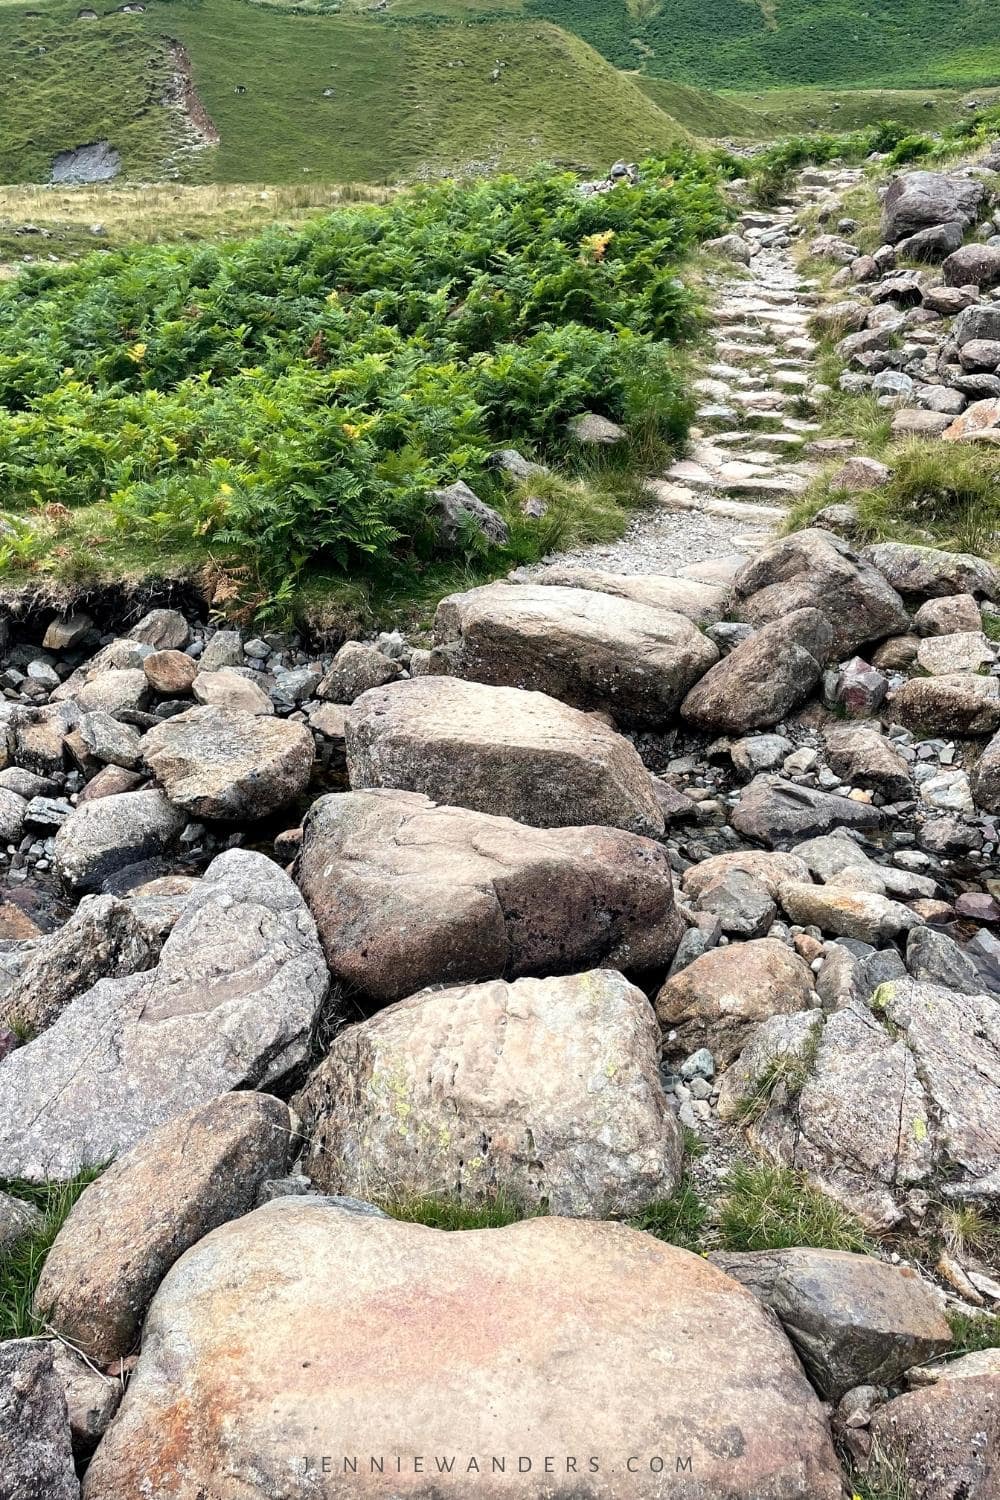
(227,765)
(778,812)
(36,1452)
(127,1229)
(231,1004)
(574,1326)
(718,1000)
(546,1090)
(105,835)
(862,757)
(406,893)
(703,603)
(958,703)
(919,200)
(499,750)
(772,671)
(815,569)
(591,649)
(930,572)
(973,265)
(854,1320)
(869,916)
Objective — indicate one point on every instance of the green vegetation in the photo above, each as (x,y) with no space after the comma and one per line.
(495,1212)
(680,1219)
(21,1267)
(973,1332)
(705,113)
(774,1208)
(740,45)
(793,111)
(286,403)
(884,1479)
(339,97)
(944,494)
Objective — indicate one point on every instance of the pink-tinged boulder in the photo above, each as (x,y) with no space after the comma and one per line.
(591,1343)
(979,423)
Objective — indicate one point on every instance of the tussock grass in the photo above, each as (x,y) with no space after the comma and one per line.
(679,1219)
(774,1208)
(972,1333)
(21,1267)
(494,1212)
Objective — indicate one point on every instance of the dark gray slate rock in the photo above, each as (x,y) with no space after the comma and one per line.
(103,836)
(779,812)
(917,200)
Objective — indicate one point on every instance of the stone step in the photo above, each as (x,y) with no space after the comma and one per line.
(676,497)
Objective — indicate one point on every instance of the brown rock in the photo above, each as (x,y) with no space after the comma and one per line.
(170,672)
(958,704)
(719,998)
(771,672)
(947,615)
(501,751)
(129,1227)
(980,422)
(945,1438)
(547,1337)
(406,893)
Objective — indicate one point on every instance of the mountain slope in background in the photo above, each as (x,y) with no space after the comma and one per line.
(338,96)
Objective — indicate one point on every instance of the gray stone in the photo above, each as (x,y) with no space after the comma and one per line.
(36,1452)
(764,677)
(163,629)
(591,430)
(852,1318)
(230,690)
(105,835)
(357,666)
(18,1219)
(863,757)
(461,513)
(780,812)
(918,200)
(224,649)
(230,1005)
(934,958)
(228,766)
(111,741)
(407,894)
(973,265)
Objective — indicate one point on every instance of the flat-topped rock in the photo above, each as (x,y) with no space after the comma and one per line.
(499,750)
(226,764)
(575,1319)
(701,602)
(593,650)
(957,703)
(406,893)
(547,1090)
(930,572)
(231,1004)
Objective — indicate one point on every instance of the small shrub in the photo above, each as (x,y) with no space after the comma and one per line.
(21,1267)
(775,1208)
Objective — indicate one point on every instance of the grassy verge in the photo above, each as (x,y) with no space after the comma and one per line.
(774,1208)
(21,1268)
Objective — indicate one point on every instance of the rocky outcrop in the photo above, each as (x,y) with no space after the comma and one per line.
(854,1320)
(703,603)
(499,750)
(406,893)
(590,649)
(929,572)
(230,1005)
(587,1313)
(544,1090)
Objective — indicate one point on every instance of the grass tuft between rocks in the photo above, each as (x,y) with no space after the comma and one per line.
(973,1332)
(495,1212)
(775,1208)
(21,1267)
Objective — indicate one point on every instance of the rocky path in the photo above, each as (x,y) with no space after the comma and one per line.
(694,836)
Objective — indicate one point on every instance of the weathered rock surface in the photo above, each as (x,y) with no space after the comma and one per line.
(230,1005)
(945,1438)
(815,569)
(719,998)
(930,572)
(585,1313)
(590,649)
(854,1320)
(546,1089)
(918,200)
(985,777)
(944,616)
(18,1219)
(499,750)
(863,757)
(222,764)
(406,893)
(170,672)
(36,1454)
(102,836)
(866,915)
(770,870)
(129,1227)
(781,812)
(357,666)
(230,690)
(701,602)
(461,512)
(163,629)
(958,703)
(765,676)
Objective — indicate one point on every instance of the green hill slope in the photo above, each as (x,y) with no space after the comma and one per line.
(340,96)
(741,44)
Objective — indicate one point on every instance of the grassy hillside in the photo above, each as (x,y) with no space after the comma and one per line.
(344,97)
(739,44)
